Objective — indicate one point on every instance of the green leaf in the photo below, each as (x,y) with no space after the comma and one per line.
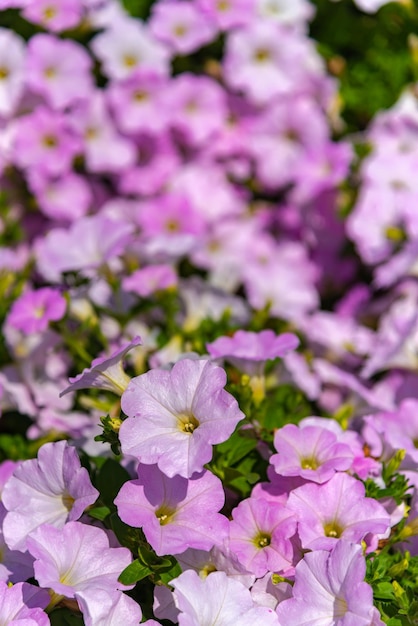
(99,512)
(65,617)
(109,480)
(236,448)
(173,572)
(134,572)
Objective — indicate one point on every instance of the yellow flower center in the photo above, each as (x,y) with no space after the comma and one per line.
(333,529)
(309,463)
(187,423)
(164,514)
(262,540)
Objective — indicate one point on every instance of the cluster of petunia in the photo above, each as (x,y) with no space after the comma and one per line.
(173,197)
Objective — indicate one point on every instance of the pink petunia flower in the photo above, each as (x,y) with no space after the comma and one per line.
(51,489)
(146,281)
(105,372)
(128,48)
(174,417)
(260,536)
(77,558)
(311,452)
(337,509)
(217,600)
(23,604)
(249,350)
(181,25)
(58,70)
(32,311)
(174,513)
(12,56)
(104,608)
(44,141)
(87,244)
(54,15)
(329,589)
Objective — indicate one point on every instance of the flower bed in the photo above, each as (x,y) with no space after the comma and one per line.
(209,306)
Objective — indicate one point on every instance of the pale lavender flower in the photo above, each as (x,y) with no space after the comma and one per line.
(65,198)
(138,103)
(312,452)
(294,294)
(228,14)
(291,13)
(217,559)
(181,25)
(174,417)
(197,107)
(77,558)
(22,604)
(54,15)
(51,489)
(33,310)
(105,149)
(87,244)
(174,513)
(127,48)
(43,140)
(12,56)
(105,372)
(217,600)
(249,350)
(104,608)
(336,509)
(260,536)
(146,281)
(329,589)
(58,70)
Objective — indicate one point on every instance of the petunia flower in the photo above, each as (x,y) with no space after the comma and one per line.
(51,489)
(312,452)
(329,589)
(337,509)
(174,513)
(260,536)
(247,350)
(105,372)
(23,604)
(76,558)
(174,417)
(217,600)
(104,608)
(33,310)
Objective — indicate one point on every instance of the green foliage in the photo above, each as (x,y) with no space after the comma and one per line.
(65,617)
(109,480)
(394,579)
(369,54)
(160,569)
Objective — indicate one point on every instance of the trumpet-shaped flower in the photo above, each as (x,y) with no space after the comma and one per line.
(312,452)
(337,509)
(174,417)
(260,535)
(76,558)
(105,372)
(12,54)
(107,609)
(330,589)
(33,310)
(51,489)
(23,604)
(174,513)
(249,350)
(217,600)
